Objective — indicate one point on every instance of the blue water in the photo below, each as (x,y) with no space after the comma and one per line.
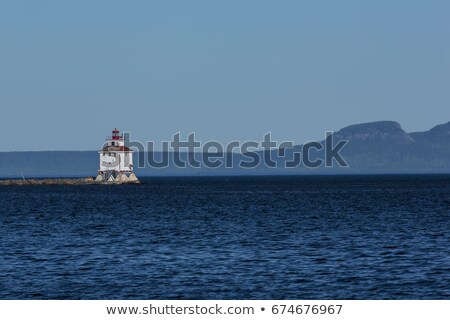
(341,237)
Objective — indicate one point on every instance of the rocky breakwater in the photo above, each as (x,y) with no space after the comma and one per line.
(62,181)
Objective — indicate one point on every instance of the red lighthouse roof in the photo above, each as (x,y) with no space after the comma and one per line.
(115,134)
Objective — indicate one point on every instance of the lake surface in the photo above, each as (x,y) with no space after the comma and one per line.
(304,237)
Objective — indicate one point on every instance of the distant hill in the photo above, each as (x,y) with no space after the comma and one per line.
(49,164)
(376,147)
(385,147)
(381,131)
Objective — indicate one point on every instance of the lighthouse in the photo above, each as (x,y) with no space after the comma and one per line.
(116,161)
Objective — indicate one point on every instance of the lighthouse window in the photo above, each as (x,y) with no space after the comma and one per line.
(113,143)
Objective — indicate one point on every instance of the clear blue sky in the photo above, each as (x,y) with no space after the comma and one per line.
(70,71)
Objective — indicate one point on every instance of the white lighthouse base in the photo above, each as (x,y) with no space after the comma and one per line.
(114,177)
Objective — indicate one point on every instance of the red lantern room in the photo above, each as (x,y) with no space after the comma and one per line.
(115,134)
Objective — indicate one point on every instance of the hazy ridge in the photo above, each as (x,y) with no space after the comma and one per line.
(376,147)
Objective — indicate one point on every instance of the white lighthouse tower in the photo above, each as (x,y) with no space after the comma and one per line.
(116,161)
